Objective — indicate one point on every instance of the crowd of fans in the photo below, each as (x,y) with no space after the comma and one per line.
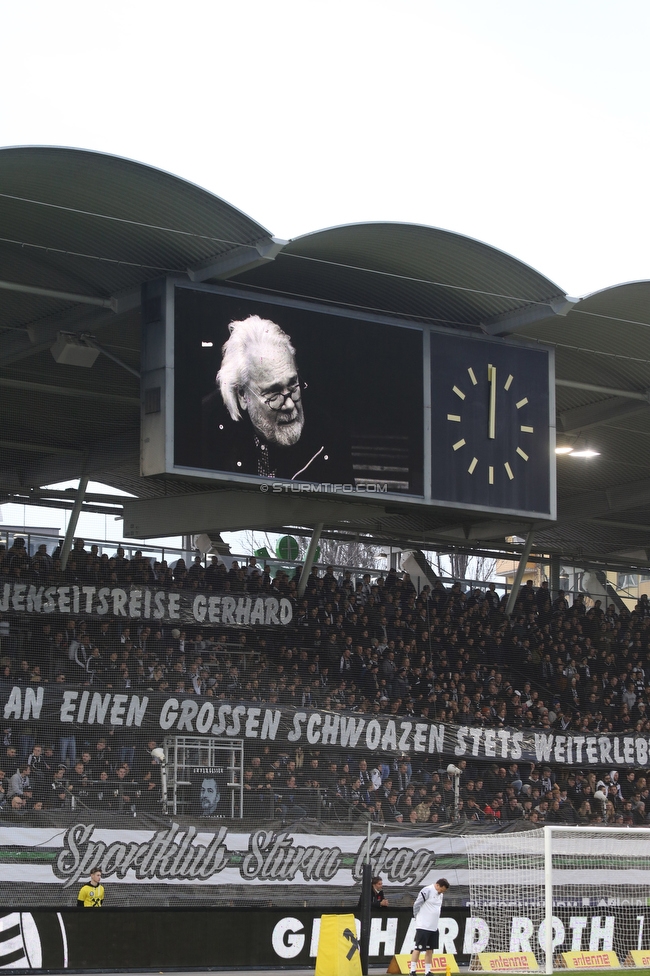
(367,645)
(400,793)
(120,780)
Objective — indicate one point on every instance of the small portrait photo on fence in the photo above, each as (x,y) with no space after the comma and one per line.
(209,793)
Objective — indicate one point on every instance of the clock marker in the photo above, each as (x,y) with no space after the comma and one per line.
(454,416)
(490,475)
(521,403)
(508,470)
(522,454)
(472,376)
(526,430)
(473,465)
(459,393)
(460,443)
(492,414)
(506,385)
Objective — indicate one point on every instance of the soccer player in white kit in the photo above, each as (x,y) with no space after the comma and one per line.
(426,912)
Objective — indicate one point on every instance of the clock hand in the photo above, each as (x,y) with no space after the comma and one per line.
(492,416)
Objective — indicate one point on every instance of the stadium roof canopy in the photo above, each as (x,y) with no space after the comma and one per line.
(80,233)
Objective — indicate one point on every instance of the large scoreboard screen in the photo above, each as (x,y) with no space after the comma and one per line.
(264,390)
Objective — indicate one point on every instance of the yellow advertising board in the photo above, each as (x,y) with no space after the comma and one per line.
(504,962)
(639,957)
(591,960)
(439,964)
(338,947)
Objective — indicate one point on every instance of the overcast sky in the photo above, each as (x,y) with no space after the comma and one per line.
(523,124)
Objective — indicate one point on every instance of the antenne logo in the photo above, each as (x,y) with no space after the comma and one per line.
(20,943)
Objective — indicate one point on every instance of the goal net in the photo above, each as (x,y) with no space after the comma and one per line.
(587,889)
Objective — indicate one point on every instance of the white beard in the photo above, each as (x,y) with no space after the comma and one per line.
(284,434)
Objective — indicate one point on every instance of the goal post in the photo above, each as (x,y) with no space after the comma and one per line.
(559,889)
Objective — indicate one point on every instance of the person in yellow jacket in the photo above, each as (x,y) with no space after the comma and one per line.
(92,895)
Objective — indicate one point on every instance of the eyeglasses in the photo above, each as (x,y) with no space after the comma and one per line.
(276,401)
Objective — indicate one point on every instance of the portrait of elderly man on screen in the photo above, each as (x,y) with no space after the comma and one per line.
(209,796)
(267,431)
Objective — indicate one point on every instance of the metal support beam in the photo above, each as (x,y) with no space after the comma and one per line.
(233,510)
(605,390)
(43,496)
(92,342)
(97,509)
(482,531)
(600,412)
(76,392)
(74,518)
(101,457)
(20,447)
(555,576)
(66,296)
(591,504)
(38,336)
(519,318)
(309,559)
(237,260)
(187,545)
(519,575)
(634,528)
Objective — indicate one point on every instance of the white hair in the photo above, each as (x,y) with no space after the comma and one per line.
(238,352)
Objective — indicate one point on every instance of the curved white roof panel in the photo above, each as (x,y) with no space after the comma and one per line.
(82,231)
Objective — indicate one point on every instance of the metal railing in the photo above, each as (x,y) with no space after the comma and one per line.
(624,585)
(183,754)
